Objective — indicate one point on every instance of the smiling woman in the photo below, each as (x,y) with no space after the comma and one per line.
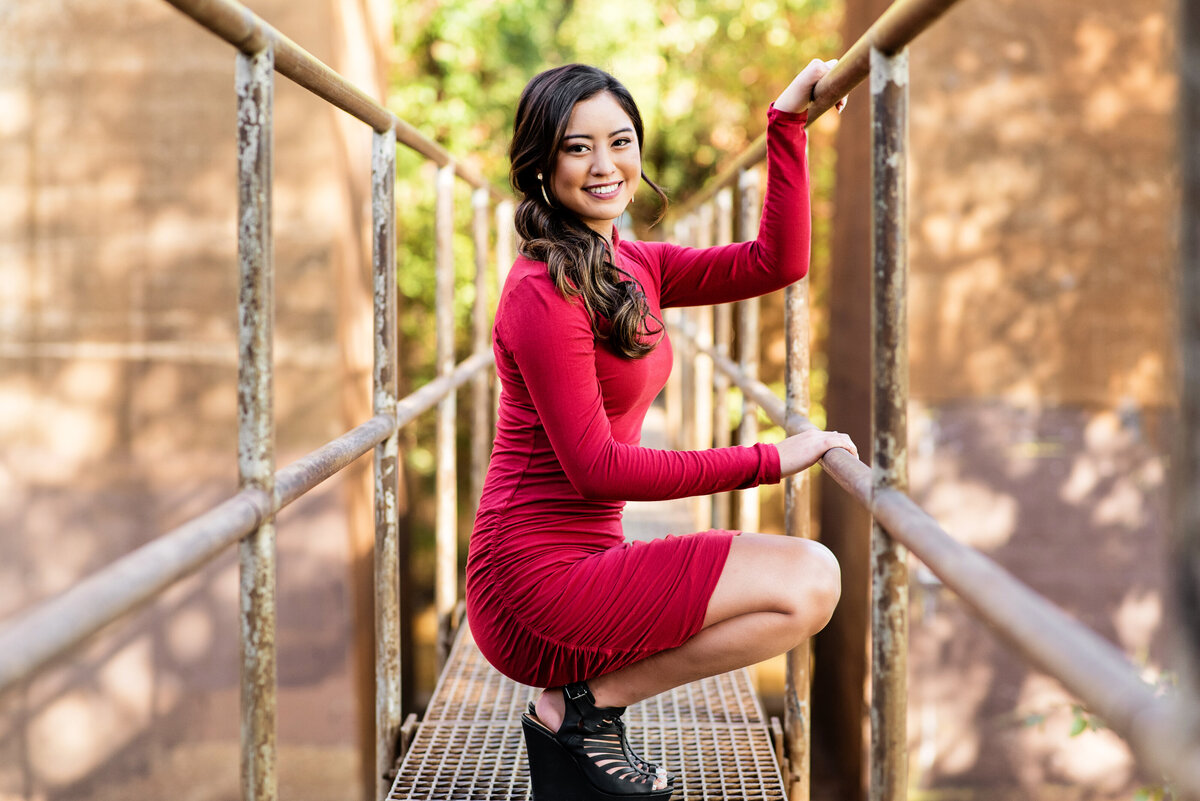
(555,595)
(598,166)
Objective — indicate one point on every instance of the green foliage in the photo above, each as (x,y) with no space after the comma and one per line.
(703,74)
(1084,721)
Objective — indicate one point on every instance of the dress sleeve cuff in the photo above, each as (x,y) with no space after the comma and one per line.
(768,468)
(774,114)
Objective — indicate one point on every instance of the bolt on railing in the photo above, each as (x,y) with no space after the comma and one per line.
(36,638)
(1163,733)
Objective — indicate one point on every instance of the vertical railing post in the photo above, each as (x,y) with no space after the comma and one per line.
(504,241)
(387,542)
(722,502)
(889,357)
(446,590)
(685,235)
(797,495)
(748,344)
(505,255)
(702,370)
(481,411)
(673,318)
(255,81)
(1186,501)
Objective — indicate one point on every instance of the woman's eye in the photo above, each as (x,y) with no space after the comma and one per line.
(576,148)
(624,140)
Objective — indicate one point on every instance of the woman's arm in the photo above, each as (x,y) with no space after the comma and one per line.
(779,256)
(551,342)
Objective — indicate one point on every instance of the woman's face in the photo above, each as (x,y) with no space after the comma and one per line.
(598,165)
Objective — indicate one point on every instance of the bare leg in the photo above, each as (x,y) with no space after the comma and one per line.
(774,592)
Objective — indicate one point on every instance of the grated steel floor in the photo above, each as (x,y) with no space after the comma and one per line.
(469,747)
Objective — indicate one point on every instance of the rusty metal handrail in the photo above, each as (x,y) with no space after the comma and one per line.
(54,627)
(249,33)
(1087,664)
(1163,733)
(902,22)
(57,625)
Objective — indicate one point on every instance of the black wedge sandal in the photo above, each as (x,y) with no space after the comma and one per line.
(587,758)
(635,759)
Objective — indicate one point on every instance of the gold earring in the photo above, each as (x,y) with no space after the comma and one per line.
(544,195)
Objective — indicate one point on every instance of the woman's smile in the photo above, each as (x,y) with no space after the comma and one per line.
(599,163)
(604,190)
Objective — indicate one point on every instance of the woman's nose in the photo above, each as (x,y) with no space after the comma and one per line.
(602,163)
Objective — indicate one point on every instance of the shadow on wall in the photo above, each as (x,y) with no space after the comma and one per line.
(1043,194)
(118,403)
(1073,504)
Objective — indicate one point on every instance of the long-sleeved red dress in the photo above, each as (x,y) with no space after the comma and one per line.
(554,592)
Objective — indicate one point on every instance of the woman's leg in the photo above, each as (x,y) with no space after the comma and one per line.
(774,593)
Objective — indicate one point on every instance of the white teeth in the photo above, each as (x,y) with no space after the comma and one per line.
(605,191)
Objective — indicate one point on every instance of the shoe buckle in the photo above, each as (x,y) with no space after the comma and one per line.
(576,691)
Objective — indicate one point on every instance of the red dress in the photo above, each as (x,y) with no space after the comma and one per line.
(554,593)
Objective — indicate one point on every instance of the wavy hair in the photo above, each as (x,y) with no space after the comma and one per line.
(578,258)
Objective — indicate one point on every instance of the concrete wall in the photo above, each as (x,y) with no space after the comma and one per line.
(1043,211)
(1042,205)
(117,401)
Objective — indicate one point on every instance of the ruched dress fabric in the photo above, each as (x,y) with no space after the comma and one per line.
(554,592)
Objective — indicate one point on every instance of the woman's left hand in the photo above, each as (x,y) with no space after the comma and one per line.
(799,94)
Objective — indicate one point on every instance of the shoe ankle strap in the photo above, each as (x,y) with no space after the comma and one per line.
(577,690)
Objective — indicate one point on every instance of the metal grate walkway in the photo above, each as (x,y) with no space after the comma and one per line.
(469,747)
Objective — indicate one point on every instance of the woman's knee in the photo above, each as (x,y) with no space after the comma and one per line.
(818,586)
(769,573)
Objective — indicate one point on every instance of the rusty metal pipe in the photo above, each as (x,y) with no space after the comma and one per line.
(446,578)
(249,33)
(797,495)
(481,400)
(702,369)
(58,624)
(387,469)
(722,502)
(1086,664)
(903,21)
(889,360)
(255,81)
(747,343)
(310,470)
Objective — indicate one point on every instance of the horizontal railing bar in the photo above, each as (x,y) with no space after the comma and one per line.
(771,404)
(903,21)
(64,621)
(428,396)
(1089,666)
(249,33)
(1086,664)
(61,623)
(309,471)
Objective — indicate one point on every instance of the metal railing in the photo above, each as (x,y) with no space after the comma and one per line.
(1163,732)
(1164,735)
(53,628)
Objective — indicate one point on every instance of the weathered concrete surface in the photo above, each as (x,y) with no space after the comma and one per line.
(1043,194)
(118,348)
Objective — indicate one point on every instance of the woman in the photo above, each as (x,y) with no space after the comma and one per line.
(555,597)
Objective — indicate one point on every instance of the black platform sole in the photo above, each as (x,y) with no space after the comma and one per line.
(556,777)
(531,711)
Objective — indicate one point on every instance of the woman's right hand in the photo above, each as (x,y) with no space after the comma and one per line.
(799,93)
(805,449)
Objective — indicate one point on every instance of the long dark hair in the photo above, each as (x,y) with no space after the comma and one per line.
(577,257)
